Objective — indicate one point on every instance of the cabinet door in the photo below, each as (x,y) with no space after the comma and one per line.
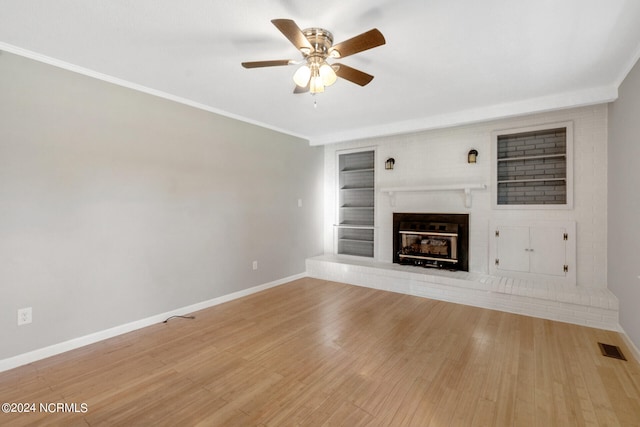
(548,250)
(512,244)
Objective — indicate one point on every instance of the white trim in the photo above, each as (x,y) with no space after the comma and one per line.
(134,86)
(544,104)
(634,350)
(627,69)
(52,350)
(579,98)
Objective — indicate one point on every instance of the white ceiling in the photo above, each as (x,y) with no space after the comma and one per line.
(446,62)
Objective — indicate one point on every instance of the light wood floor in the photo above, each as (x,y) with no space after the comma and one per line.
(321,353)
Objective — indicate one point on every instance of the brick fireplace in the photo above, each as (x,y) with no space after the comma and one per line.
(428,165)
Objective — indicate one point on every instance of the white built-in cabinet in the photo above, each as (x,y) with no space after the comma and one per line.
(541,250)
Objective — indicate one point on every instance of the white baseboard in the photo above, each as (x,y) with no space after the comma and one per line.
(630,344)
(52,350)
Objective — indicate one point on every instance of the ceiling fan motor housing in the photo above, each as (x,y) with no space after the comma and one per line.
(320,39)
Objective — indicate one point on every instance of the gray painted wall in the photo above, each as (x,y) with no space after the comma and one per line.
(624,203)
(116,205)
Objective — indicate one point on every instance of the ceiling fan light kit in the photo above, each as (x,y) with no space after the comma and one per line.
(316,74)
(316,46)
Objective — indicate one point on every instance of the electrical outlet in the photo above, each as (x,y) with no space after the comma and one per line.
(25,316)
(255,265)
(299,203)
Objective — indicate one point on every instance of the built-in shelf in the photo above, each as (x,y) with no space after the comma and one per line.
(356,240)
(533,167)
(506,181)
(464,187)
(356,224)
(357,208)
(356,188)
(541,156)
(356,170)
(355,230)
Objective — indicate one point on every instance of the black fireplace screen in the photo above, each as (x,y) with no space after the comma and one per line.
(431,240)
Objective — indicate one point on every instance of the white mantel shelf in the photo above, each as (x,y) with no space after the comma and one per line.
(466,188)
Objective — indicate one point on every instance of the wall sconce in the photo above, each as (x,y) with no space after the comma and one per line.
(388,165)
(472,156)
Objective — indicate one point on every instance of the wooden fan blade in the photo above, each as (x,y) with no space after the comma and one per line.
(300,89)
(275,63)
(291,31)
(369,40)
(355,76)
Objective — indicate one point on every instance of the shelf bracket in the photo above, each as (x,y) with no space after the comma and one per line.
(392,198)
(467,197)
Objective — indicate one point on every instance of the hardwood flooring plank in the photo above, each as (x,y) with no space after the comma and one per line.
(349,415)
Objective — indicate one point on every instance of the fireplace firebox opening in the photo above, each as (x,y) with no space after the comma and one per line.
(434,240)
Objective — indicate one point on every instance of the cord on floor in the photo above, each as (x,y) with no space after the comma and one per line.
(182,317)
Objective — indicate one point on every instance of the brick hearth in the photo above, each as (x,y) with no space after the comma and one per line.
(592,307)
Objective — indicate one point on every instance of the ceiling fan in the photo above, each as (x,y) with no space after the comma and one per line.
(316,46)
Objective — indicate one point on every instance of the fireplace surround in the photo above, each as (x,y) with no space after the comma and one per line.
(437,240)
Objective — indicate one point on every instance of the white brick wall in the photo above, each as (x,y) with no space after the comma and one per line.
(440,156)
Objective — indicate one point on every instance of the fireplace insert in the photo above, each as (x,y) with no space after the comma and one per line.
(431,240)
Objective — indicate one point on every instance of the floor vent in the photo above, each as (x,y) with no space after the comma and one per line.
(611,351)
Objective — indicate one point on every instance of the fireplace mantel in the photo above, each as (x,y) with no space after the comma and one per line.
(465,187)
